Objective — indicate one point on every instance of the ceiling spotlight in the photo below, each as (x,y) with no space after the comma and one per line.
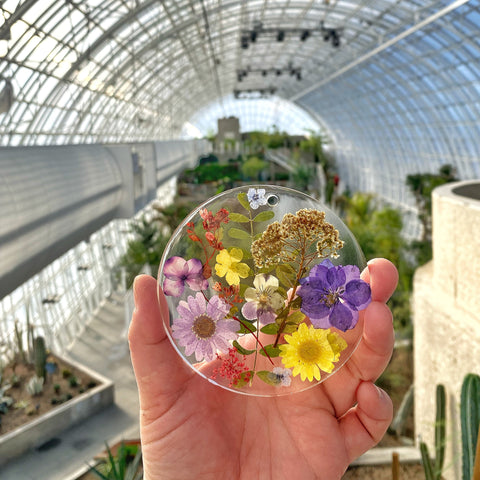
(299,75)
(278,72)
(264,73)
(253,36)
(304,35)
(335,39)
(280,36)
(244,42)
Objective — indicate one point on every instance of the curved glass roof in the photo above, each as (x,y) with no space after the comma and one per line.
(396,84)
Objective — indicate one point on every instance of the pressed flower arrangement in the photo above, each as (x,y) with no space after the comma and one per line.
(264,290)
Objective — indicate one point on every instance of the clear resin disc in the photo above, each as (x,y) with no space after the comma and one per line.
(264,291)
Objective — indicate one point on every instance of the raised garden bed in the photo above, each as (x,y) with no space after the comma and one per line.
(62,404)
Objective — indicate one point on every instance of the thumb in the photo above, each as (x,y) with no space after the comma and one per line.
(365,424)
(158,368)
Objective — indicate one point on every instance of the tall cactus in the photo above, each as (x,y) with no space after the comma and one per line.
(40,354)
(470,421)
(434,472)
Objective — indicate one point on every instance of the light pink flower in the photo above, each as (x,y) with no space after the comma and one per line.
(202,328)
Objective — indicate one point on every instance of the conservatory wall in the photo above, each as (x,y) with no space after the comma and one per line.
(446,305)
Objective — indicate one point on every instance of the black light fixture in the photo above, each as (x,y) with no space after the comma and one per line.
(253,36)
(244,41)
(280,36)
(335,39)
(304,35)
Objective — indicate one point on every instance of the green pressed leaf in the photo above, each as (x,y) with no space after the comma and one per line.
(270,329)
(286,274)
(242,198)
(242,350)
(268,377)
(244,329)
(264,216)
(270,350)
(238,234)
(257,236)
(238,218)
(296,317)
(281,317)
(290,327)
(297,303)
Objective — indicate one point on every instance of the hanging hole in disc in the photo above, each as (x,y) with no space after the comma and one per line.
(273,200)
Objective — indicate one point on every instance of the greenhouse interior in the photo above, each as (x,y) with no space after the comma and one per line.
(137,133)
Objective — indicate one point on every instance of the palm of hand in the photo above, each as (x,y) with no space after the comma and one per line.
(236,436)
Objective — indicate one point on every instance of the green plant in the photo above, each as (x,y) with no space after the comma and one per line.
(422,186)
(301,176)
(252,167)
(56,388)
(40,356)
(73,381)
(19,340)
(470,422)
(377,228)
(5,400)
(145,249)
(434,471)
(125,465)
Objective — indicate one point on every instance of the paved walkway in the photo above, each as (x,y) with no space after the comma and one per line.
(103,347)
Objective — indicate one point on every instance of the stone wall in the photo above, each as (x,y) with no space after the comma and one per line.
(446,307)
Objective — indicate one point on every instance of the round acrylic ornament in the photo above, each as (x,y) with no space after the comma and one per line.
(264,291)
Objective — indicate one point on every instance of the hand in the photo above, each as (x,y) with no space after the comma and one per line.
(191,429)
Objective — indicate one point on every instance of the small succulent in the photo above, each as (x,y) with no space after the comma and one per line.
(74,381)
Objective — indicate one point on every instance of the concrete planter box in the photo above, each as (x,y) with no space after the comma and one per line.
(46,426)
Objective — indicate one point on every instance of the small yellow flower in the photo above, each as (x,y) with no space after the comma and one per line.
(228,265)
(310,349)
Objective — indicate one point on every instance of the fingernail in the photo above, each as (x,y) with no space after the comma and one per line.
(381,393)
(135,287)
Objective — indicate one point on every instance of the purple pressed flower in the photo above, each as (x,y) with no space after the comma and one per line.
(332,295)
(202,328)
(179,271)
(256,197)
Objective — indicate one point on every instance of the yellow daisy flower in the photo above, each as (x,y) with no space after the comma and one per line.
(228,265)
(310,349)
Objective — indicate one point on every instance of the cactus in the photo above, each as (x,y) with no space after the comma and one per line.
(40,354)
(19,339)
(434,472)
(35,386)
(30,337)
(470,421)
